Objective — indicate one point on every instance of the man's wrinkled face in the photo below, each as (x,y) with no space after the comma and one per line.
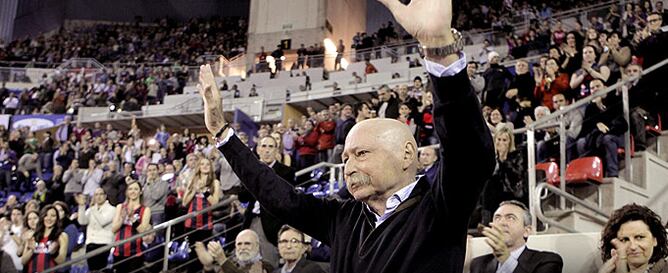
(521,68)
(290,245)
(246,247)
(384,94)
(371,163)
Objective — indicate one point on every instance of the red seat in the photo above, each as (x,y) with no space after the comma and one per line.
(656,129)
(584,170)
(551,170)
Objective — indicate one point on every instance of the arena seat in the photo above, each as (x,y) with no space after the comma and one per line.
(585,170)
(656,129)
(551,170)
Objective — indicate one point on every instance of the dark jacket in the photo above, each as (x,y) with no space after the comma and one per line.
(427,233)
(270,225)
(114,187)
(530,261)
(342,129)
(392,110)
(304,266)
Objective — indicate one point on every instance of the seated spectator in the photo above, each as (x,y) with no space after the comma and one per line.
(572,121)
(509,181)
(507,236)
(494,119)
(428,163)
(246,257)
(603,129)
(292,246)
(634,240)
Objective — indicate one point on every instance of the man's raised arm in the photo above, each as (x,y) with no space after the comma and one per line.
(304,212)
(467,150)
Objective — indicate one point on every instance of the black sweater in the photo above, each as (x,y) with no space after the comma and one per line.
(427,233)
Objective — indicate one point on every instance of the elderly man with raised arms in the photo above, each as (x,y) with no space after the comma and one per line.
(395,223)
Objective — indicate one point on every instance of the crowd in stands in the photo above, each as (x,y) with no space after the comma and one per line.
(165,41)
(109,184)
(125,87)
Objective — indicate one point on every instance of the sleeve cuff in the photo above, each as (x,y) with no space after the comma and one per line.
(439,70)
(222,142)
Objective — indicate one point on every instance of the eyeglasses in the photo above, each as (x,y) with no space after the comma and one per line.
(293,241)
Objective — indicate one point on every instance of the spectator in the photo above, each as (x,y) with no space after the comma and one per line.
(496,78)
(28,163)
(553,82)
(292,247)
(11,243)
(339,55)
(370,68)
(520,92)
(343,125)
(634,237)
(246,257)
(477,81)
(68,227)
(7,160)
(41,193)
(603,128)
(326,135)
(573,124)
(91,178)
(509,181)
(307,145)
(113,184)
(590,71)
(507,236)
(46,149)
(10,104)
(202,192)
(97,219)
(130,219)
(73,182)
(48,246)
(428,160)
(389,108)
(154,194)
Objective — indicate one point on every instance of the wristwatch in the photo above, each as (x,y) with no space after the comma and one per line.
(450,49)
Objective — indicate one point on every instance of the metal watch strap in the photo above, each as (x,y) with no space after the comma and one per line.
(450,49)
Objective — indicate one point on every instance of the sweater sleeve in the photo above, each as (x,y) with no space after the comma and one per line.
(305,212)
(466,144)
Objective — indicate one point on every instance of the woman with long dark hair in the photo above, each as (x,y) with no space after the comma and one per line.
(48,246)
(202,192)
(131,218)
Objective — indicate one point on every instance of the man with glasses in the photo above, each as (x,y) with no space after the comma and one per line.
(255,218)
(507,236)
(292,246)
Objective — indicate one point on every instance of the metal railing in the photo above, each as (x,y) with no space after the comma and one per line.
(538,211)
(558,115)
(166,243)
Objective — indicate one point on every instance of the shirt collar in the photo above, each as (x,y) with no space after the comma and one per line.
(394,201)
(515,254)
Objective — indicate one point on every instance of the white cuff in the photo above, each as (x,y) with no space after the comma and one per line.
(439,70)
(222,142)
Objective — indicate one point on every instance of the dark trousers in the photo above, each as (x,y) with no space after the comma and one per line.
(128,264)
(606,145)
(639,118)
(97,262)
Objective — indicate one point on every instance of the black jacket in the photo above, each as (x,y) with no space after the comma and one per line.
(270,225)
(427,232)
(304,266)
(530,261)
(392,110)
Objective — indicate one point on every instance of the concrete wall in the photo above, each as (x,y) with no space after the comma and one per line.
(346,17)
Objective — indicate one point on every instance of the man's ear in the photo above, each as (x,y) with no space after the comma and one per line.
(409,155)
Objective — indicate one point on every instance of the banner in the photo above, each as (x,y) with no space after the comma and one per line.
(246,125)
(4,120)
(37,122)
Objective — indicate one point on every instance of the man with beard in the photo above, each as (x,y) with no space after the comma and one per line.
(507,236)
(395,223)
(247,257)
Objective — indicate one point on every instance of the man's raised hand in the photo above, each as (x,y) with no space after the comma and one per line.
(428,21)
(213,103)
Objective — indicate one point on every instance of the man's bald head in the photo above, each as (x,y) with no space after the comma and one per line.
(380,158)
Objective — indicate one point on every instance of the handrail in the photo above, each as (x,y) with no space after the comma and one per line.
(537,210)
(163,225)
(316,166)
